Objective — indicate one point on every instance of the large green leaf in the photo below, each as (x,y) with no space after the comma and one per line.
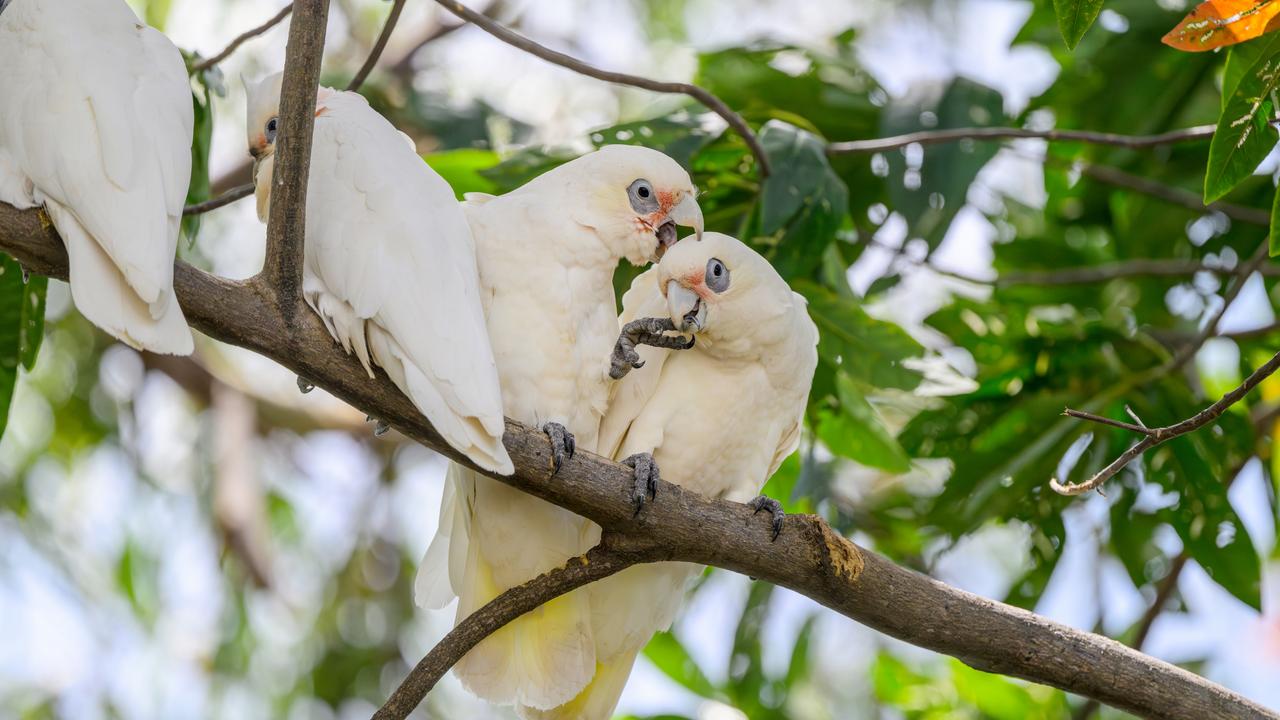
(21,327)
(1245,135)
(870,351)
(1075,17)
(463,169)
(201,141)
(856,432)
(930,192)
(665,651)
(804,196)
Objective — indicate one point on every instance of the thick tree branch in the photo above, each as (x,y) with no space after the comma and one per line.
(809,557)
(934,137)
(712,103)
(600,562)
(286,225)
(241,39)
(397,7)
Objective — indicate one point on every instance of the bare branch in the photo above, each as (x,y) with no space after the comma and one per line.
(226,198)
(381,44)
(286,225)
(600,562)
(712,103)
(934,137)
(1140,429)
(1142,267)
(808,557)
(241,39)
(1157,436)
(1177,196)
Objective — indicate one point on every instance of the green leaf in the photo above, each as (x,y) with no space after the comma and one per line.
(1240,58)
(21,327)
(856,431)
(930,194)
(1075,17)
(1273,242)
(1244,135)
(803,202)
(201,141)
(524,166)
(462,169)
(680,137)
(666,652)
(871,351)
(798,668)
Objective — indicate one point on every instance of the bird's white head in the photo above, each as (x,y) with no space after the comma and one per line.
(633,197)
(727,295)
(263,122)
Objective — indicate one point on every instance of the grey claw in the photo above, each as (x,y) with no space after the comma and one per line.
(644,331)
(381,428)
(562,444)
(775,509)
(645,480)
(305,386)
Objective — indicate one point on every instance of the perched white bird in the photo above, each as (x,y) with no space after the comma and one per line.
(718,418)
(547,254)
(96,124)
(390,265)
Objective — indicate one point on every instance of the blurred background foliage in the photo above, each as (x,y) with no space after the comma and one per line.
(189,538)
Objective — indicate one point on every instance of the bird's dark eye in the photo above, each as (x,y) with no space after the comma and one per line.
(641,195)
(717,277)
(272,125)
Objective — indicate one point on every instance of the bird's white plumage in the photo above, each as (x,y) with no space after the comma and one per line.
(547,253)
(96,125)
(390,268)
(718,419)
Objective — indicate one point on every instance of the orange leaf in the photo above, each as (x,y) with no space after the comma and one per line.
(1218,23)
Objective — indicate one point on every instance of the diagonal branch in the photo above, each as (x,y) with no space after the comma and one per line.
(934,137)
(1175,195)
(286,225)
(226,198)
(808,557)
(241,39)
(712,103)
(381,44)
(600,562)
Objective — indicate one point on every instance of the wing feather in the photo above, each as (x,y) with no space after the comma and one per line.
(386,236)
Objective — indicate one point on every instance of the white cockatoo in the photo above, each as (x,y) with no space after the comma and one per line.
(96,122)
(389,265)
(547,253)
(717,418)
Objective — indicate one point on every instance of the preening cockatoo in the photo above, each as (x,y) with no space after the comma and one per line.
(547,254)
(95,124)
(390,265)
(718,418)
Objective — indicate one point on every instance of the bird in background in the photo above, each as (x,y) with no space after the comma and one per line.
(96,124)
(718,418)
(547,253)
(389,265)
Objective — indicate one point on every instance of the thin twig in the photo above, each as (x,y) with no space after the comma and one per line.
(240,40)
(713,103)
(286,224)
(1175,195)
(1141,267)
(1157,436)
(226,198)
(381,44)
(1140,429)
(933,137)
(597,564)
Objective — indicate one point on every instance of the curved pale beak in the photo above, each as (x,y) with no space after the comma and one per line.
(687,213)
(688,312)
